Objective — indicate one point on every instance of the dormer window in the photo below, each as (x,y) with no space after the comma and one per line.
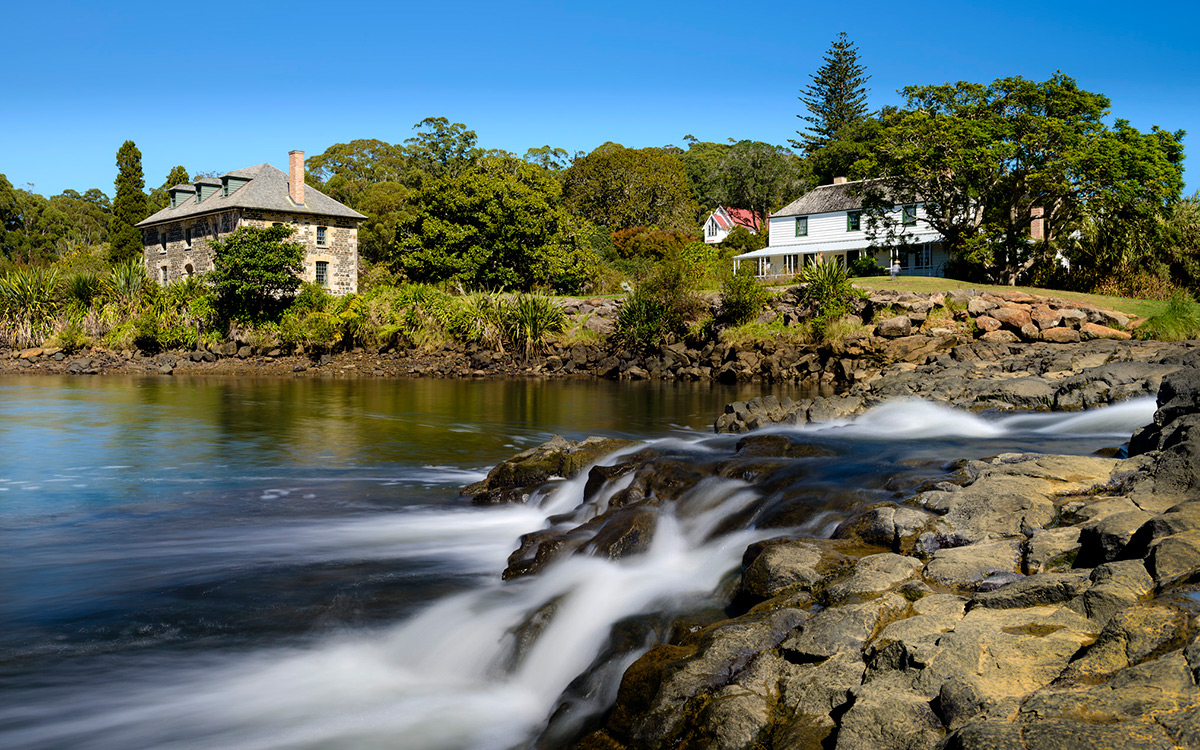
(224,187)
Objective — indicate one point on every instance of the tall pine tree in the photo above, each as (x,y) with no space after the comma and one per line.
(837,96)
(129,207)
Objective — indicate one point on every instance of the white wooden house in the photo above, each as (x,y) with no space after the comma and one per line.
(828,223)
(724,220)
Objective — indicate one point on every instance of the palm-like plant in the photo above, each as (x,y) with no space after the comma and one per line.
(28,303)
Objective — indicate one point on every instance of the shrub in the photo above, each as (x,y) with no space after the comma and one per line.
(126,282)
(255,272)
(649,242)
(742,298)
(28,304)
(528,318)
(71,337)
(82,289)
(1136,284)
(827,286)
(742,240)
(659,307)
(1179,322)
(866,265)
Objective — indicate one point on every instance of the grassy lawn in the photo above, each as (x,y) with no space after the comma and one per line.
(1135,308)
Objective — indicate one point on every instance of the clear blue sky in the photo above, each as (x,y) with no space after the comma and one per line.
(219,86)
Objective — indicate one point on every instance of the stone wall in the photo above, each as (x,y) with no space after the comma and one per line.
(340,250)
(182,258)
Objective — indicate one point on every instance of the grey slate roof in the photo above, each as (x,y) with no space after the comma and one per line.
(267,190)
(828,198)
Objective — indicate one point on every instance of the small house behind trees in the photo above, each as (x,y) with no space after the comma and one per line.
(176,240)
(724,220)
(829,223)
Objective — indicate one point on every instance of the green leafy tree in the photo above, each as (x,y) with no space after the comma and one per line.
(648,242)
(702,160)
(980,158)
(852,154)
(33,240)
(760,177)
(1181,243)
(836,98)
(129,205)
(69,221)
(389,208)
(160,197)
(742,240)
(255,272)
(442,148)
(11,221)
(619,188)
(345,171)
(553,160)
(496,224)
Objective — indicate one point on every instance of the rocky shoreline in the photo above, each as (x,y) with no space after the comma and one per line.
(1019,601)
(896,334)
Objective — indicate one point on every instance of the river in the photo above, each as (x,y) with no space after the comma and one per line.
(205,563)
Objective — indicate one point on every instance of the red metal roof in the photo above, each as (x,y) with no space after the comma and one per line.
(744,217)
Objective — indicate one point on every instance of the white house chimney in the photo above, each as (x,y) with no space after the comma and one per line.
(296,176)
(839,180)
(1037,224)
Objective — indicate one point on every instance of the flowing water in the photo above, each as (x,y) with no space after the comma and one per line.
(287,564)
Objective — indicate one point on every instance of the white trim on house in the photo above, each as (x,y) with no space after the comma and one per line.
(828,232)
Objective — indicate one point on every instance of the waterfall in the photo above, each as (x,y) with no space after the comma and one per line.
(483,668)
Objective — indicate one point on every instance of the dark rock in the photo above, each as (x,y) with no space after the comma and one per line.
(1036,590)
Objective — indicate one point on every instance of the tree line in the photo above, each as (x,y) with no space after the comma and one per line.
(984,159)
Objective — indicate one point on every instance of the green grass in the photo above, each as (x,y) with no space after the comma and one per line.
(1140,309)
(1179,322)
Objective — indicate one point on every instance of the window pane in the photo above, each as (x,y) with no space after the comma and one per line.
(802,226)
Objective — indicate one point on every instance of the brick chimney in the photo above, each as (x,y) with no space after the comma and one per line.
(296,176)
(1037,224)
(839,180)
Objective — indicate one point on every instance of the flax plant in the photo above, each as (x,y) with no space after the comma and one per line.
(28,304)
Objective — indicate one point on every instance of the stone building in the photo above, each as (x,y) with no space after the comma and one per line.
(176,240)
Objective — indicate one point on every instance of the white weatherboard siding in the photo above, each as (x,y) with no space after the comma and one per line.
(831,227)
(713,232)
(829,238)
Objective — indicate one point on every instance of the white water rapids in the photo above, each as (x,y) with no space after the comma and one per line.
(468,671)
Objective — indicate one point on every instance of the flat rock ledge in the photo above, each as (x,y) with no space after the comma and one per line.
(1026,601)
(979,376)
(1022,601)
